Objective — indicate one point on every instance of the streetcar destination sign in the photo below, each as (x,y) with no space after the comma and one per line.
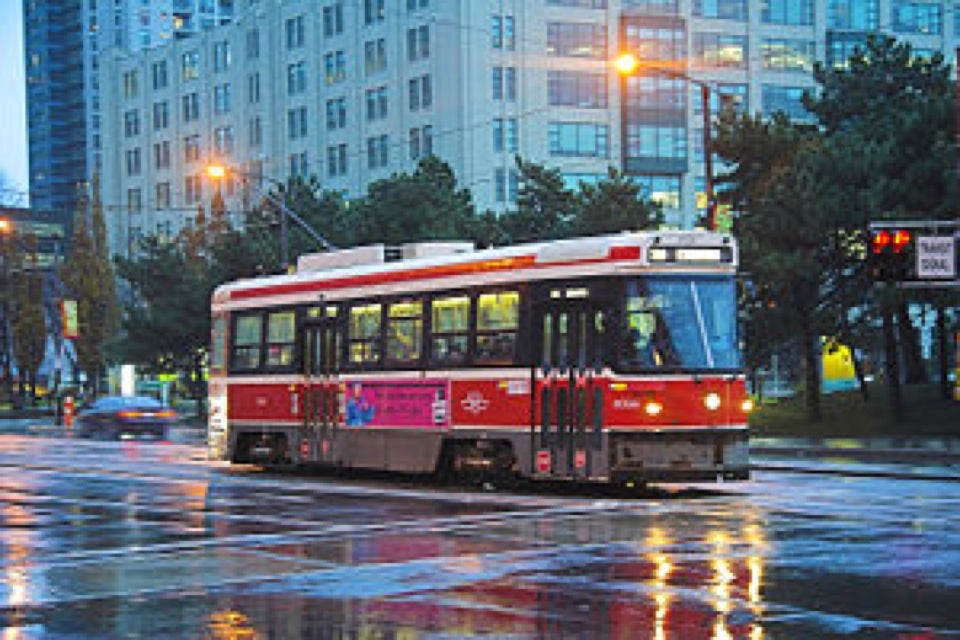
(936,257)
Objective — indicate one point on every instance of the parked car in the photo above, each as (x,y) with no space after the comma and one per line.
(115,417)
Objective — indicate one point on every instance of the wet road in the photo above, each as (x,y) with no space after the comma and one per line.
(137,540)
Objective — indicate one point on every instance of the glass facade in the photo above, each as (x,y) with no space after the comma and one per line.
(860,15)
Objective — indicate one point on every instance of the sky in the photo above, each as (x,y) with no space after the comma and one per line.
(13,119)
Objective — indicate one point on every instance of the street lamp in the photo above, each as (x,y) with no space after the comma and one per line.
(219,171)
(627,64)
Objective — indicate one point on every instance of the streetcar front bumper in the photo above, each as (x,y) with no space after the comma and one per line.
(689,455)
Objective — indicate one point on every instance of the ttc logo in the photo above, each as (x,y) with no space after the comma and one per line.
(475,403)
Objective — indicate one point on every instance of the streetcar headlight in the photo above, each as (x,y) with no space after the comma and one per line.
(747,405)
(653,408)
(711,401)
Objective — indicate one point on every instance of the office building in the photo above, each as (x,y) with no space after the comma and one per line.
(63,39)
(355,91)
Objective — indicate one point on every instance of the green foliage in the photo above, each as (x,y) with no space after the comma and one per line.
(29,338)
(545,210)
(89,279)
(805,194)
(424,205)
(614,204)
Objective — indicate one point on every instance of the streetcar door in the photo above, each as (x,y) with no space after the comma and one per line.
(322,342)
(568,355)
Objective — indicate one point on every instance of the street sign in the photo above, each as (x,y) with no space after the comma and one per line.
(936,258)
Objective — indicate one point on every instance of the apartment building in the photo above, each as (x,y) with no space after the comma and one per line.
(354,91)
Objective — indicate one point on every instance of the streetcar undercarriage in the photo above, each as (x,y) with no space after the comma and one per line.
(620,457)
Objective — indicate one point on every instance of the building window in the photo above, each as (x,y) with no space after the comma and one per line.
(131,84)
(296,78)
(577,89)
(581,4)
(376,104)
(506,185)
(917,16)
(299,164)
(159,70)
(190,66)
(505,83)
(193,189)
(295,32)
(855,15)
(664,190)
(221,56)
(377,152)
(724,9)
(720,50)
(787,100)
(337,160)
(161,154)
(297,123)
(418,43)
(789,12)
(333,19)
(223,140)
(420,92)
(656,142)
(421,142)
(335,67)
(131,123)
(582,139)
(657,92)
(253,88)
(374,56)
(191,148)
(782,54)
(161,115)
(336,113)
(191,107)
(726,94)
(413,5)
(576,39)
(162,195)
(503,33)
(253,44)
(221,98)
(134,201)
(255,132)
(505,135)
(653,7)
(373,11)
(133,162)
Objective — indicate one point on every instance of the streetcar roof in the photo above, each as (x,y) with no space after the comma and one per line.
(627,248)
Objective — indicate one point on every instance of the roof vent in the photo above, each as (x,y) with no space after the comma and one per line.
(370,254)
(413,250)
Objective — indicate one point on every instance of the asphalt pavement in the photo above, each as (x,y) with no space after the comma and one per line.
(935,457)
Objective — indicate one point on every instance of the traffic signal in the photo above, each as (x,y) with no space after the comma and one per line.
(892,253)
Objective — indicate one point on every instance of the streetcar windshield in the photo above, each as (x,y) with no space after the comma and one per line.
(680,323)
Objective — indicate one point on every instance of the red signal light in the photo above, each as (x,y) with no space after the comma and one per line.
(881,240)
(901,238)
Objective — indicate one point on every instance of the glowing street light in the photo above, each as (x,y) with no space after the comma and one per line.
(219,172)
(628,64)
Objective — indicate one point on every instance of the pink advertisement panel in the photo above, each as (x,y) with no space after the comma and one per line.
(420,404)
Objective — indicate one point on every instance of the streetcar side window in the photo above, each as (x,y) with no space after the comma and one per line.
(246,341)
(404,332)
(450,330)
(364,333)
(498,319)
(218,342)
(281,338)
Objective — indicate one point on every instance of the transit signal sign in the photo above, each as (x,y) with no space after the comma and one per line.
(914,253)
(936,257)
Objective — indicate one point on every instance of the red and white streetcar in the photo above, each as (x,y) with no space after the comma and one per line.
(605,359)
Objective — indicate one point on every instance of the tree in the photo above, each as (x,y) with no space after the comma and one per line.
(88,278)
(29,324)
(614,204)
(424,205)
(545,210)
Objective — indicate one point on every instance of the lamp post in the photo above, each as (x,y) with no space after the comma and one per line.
(628,64)
(219,171)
